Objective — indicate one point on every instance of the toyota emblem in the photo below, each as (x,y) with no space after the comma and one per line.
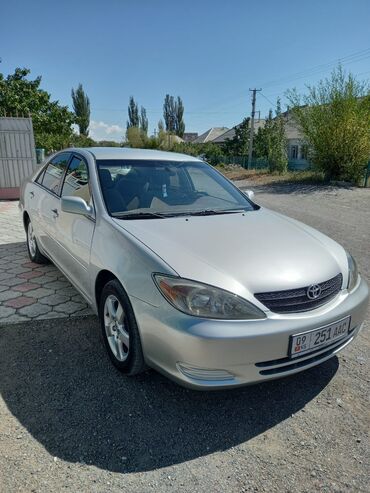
(313,291)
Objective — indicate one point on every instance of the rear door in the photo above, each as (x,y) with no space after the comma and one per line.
(47,203)
(74,231)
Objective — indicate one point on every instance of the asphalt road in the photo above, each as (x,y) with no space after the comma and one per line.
(70,422)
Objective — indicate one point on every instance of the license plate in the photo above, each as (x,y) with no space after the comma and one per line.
(305,342)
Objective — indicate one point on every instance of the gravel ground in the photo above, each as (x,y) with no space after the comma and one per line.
(70,422)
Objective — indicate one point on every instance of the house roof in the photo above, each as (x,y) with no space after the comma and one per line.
(231,133)
(210,135)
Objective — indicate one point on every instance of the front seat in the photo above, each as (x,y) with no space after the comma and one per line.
(112,197)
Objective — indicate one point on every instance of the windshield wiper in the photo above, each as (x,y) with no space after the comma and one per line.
(139,215)
(210,212)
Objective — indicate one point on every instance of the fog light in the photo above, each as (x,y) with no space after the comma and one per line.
(203,373)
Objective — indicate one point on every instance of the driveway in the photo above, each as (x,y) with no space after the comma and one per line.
(70,422)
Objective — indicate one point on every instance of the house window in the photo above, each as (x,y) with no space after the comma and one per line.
(304,152)
(294,152)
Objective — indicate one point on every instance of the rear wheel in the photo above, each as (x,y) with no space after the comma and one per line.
(32,247)
(119,328)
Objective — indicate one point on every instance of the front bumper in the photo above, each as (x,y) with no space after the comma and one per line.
(213,354)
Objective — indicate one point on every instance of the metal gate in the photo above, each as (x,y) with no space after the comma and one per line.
(17,154)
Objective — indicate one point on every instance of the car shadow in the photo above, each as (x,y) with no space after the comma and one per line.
(58,382)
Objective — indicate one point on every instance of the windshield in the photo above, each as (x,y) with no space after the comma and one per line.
(134,188)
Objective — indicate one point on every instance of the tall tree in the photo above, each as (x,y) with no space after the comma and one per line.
(81,107)
(169,113)
(52,123)
(334,117)
(270,142)
(173,114)
(143,120)
(133,113)
(160,126)
(179,119)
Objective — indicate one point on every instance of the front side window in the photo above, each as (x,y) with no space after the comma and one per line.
(134,188)
(76,182)
(54,172)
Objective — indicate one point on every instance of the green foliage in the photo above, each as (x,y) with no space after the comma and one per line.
(173,114)
(160,126)
(108,143)
(270,143)
(179,121)
(136,137)
(239,144)
(334,117)
(143,120)
(133,113)
(81,141)
(81,107)
(52,123)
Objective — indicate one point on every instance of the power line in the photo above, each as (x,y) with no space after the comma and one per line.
(354,57)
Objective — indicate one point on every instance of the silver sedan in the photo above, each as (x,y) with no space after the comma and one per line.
(186,273)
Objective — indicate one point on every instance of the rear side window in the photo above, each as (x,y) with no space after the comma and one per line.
(54,172)
(76,182)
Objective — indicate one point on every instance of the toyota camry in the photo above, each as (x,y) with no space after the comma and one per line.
(187,274)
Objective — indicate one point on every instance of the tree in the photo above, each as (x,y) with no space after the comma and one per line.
(169,113)
(81,107)
(270,142)
(334,117)
(179,117)
(238,145)
(133,114)
(143,120)
(173,114)
(135,137)
(160,126)
(52,123)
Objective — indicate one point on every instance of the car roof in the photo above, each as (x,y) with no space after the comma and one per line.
(128,153)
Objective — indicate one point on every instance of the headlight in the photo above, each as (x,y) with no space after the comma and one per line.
(201,300)
(352,272)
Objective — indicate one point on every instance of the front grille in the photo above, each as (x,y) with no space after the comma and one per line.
(297,300)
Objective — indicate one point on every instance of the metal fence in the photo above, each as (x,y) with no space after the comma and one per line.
(17,154)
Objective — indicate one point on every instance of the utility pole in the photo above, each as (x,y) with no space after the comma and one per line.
(254,91)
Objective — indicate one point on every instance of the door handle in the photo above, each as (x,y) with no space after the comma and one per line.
(55,212)
(32,195)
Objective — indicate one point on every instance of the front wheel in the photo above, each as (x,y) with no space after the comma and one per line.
(119,328)
(32,247)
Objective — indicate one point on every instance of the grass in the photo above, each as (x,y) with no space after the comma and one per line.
(262,177)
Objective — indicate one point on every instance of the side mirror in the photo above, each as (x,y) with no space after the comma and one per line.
(249,194)
(76,205)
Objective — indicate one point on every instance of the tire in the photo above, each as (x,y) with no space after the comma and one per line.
(119,329)
(32,247)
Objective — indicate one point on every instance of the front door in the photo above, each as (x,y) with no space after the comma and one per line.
(75,231)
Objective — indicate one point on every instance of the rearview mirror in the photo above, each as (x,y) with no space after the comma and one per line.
(76,205)
(249,194)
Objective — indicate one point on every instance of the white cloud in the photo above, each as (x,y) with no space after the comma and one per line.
(104,131)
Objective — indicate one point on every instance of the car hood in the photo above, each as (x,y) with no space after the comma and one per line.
(247,253)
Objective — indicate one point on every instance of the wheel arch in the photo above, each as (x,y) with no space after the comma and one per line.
(103,277)
(26,219)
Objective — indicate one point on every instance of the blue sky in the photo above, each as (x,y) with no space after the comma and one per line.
(210,52)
